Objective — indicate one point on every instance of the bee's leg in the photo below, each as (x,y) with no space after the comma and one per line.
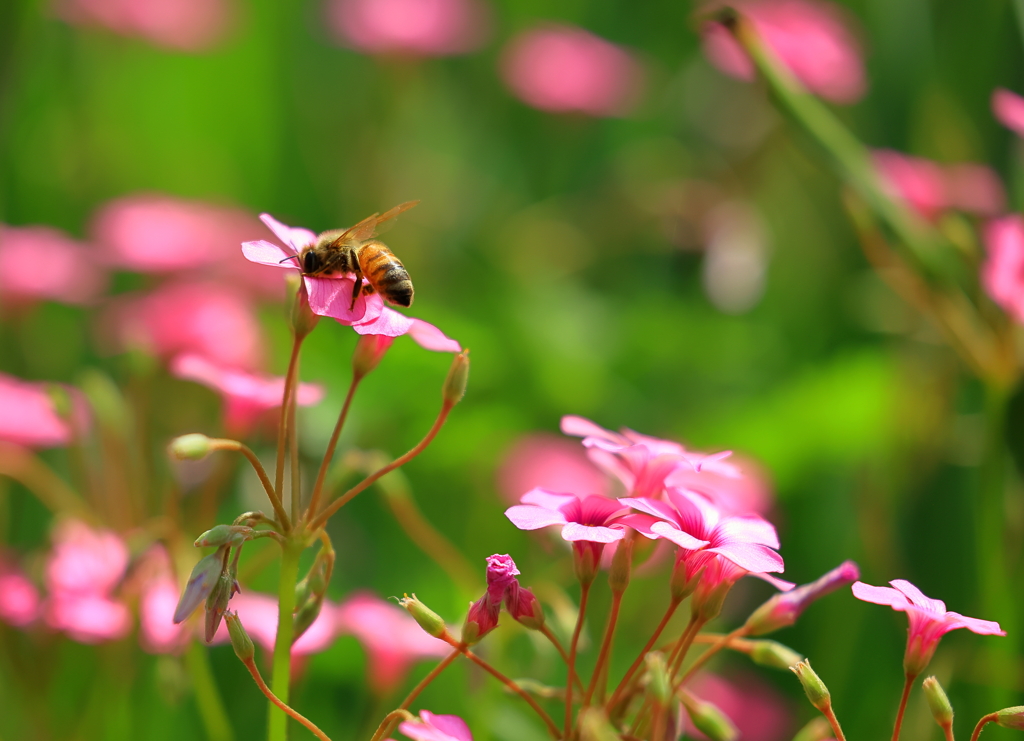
(367,289)
(356,288)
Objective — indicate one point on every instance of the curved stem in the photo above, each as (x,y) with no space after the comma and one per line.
(833,721)
(286,401)
(624,684)
(947,729)
(584,594)
(903,706)
(435,672)
(985,720)
(275,500)
(721,643)
(318,487)
(606,645)
(251,666)
(675,659)
(546,632)
(281,678)
(385,725)
(321,519)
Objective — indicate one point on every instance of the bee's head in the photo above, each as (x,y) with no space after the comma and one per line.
(311,262)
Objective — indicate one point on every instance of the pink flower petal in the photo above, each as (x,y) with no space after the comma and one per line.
(389,323)
(333,296)
(267,253)
(651,507)
(751,556)
(918,598)
(880,595)
(547,499)
(430,337)
(38,262)
(981,627)
(581,427)
(574,531)
(751,530)
(1008,108)
(28,417)
(531,517)
(683,540)
(295,237)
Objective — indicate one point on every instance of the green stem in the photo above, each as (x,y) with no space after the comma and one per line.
(286,400)
(281,677)
(211,706)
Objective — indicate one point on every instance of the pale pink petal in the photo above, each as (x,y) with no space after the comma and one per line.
(19,598)
(918,598)
(581,427)
(182,25)
(749,529)
(548,461)
(1002,273)
(651,507)
(430,337)
(683,540)
(157,630)
(880,595)
(88,617)
(28,416)
(751,556)
(531,517)
(981,627)
(389,323)
(452,725)
(409,27)
(642,524)
(294,237)
(84,560)
(573,531)
(781,584)
(267,253)
(547,499)
(1008,108)
(38,262)
(258,614)
(333,296)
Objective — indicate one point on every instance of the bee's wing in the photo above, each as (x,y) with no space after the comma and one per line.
(368,227)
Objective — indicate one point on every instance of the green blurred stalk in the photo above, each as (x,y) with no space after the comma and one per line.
(280,684)
(211,706)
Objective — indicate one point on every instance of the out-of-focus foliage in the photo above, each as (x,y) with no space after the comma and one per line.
(685,269)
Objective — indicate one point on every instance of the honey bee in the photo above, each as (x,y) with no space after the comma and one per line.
(354,250)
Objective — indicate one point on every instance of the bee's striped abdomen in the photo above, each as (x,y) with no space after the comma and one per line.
(386,273)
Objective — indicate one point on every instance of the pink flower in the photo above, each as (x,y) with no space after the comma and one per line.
(811,38)
(152,233)
(158,597)
(258,613)
(550,462)
(783,609)
(564,68)
(502,587)
(1002,273)
(928,620)
(432,727)
(29,417)
(88,618)
(759,711)
(930,188)
(640,462)
(246,396)
(738,486)
(421,28)
(186,25)
(392,639)
(333,296)
(19,598)
(210,319)
(38,262)
(1008,108)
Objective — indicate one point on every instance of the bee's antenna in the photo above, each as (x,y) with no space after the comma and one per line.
(290,257)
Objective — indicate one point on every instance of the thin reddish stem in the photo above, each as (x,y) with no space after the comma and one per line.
(584,594)
(903,706)
(251,666)
(606,645)
(706,656)
(623,685)
(286,400)
(546,632)
(434,674)
(321,519)
(985,720)
(947,729)
(830,716)
(385,725)
(678,655)
(318,487)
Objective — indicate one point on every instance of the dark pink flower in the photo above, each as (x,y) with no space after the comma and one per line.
(811,38)
(1002,273)
(185,25)
(19,598)
(1008,108)
(420,28)
(210,319)
(333,296)
(392,639)
(153,233)
(550,462)
(432,727)
(564,68)
(246,396)
(928,618)
(29,417)
(930,188)
(39,262)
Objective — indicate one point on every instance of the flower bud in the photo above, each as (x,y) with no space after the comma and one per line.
(302,318)
(524,607)
(658,680)
(816,690)
(586,557)
(1011,718)
(708,719)
(501,574)
(429,620)
(683,582)
(232,535)
(622,561)
(784,608)
(200,583)
(370,350)
(481,620)
(938,703)
(455,384)
(306,615)
(192,447)
(773,654)
(817,729)
(240,640)
(217,602)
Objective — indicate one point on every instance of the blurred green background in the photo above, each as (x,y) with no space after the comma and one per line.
(566,252)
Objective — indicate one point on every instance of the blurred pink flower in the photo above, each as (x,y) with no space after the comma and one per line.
(759,711)
(743,490)
(427,28)
(210,319)
(392,639)
(246,396)
(432,727)
(1008,108)
(82,572)
(549,462)
(930,188)
(39,262)
(1002,273)
(258,613)
(811,38)
(186,25)
(928,618)
(157,631)
(333,296)
(19,598)
(153,233)
(564,68)
(29,417)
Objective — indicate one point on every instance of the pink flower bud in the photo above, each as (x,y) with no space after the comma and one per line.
(481,620)
(524,607)
(784,608)
(501,574)
(370,350)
